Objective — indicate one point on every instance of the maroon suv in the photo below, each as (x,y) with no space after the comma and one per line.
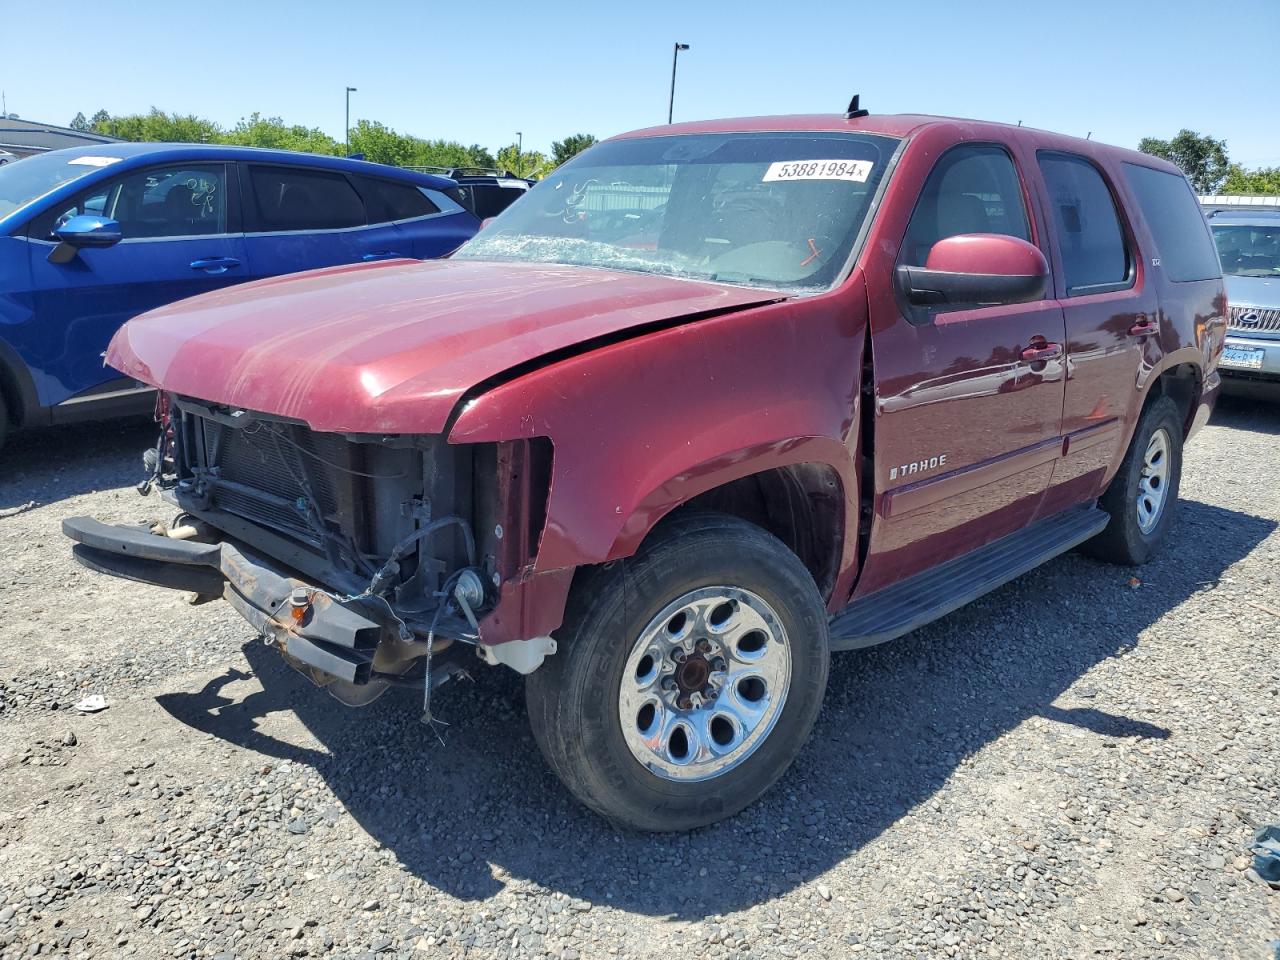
(710,402)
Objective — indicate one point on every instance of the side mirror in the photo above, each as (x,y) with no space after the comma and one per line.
(976,269)
(86,231)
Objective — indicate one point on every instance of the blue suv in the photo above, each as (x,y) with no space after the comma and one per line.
(92,236)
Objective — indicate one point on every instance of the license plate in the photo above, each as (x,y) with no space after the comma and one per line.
(1242,358)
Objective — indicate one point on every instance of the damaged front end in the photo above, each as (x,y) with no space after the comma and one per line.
(366,560)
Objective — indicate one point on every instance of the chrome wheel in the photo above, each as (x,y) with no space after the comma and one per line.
(1153,484)
(704,684)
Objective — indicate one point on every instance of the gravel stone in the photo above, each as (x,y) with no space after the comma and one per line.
(1035,775)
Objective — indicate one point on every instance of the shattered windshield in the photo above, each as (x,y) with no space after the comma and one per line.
(778,210)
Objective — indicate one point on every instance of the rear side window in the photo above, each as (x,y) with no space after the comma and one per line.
(394,201)
(290,198)
(1173,214)
(973,189)
(1095,257)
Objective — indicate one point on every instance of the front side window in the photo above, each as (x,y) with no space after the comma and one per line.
(290,198)
(974,188)
(1095,257)
(182,200)
(777,210)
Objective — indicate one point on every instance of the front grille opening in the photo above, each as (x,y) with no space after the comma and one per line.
(1246,319)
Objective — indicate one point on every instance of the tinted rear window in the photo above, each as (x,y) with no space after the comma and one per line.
(394,201)
(289,198)
(1182,237)
(1094,255)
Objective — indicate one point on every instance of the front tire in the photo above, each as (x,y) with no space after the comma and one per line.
(689,676)
(1143,498)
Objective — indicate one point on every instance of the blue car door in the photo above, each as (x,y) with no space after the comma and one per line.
(180,238)
(301,218)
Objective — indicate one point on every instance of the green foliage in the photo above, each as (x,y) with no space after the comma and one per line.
(568,148)
(1202,158)
(80,123)
(530,163)
(381,144)
(160,127)
(377,142)
(481,157)
(272,132)
(1264,180)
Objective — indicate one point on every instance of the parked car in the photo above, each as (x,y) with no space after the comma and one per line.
(711,402)
(6,157)
(91,236)
(485,192)
(1249,245)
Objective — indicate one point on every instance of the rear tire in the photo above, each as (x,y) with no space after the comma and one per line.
(1143,498)
(689,676)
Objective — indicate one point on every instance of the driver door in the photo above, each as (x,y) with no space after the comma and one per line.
(181,238)
(966,430)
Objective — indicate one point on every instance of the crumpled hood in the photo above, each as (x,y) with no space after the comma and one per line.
(392,347)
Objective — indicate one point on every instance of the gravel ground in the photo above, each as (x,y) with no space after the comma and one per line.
(1071,767)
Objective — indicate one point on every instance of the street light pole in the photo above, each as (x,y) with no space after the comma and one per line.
(519,153)
(675,55)
(347,129)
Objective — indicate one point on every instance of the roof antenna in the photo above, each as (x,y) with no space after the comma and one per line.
(854,112)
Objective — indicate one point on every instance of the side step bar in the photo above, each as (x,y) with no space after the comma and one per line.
(910,604)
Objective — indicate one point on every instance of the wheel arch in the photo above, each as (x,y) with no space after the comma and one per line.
(1183,382)
(17,389)
(805,504)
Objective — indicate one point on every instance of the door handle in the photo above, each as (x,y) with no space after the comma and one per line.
(1143,327)
(215,264)
(380,255)
(1041,352)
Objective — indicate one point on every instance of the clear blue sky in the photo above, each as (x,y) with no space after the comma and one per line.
(1122,69)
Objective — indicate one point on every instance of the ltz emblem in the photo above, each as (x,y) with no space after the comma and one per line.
(918,466)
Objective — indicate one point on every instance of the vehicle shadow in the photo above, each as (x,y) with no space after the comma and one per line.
(897,722)
(49,465)
(1257,414)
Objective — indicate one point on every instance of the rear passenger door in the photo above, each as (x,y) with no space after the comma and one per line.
(299,218)
(1112,321)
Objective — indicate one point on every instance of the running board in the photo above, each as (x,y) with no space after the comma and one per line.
(909,604)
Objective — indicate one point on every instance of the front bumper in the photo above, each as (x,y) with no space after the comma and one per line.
(338,639)
(1248,349)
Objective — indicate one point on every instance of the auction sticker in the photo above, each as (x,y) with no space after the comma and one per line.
(93,161)
(856,171)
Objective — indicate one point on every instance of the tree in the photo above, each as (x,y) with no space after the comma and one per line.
(257,131)
(481,157)
(100,117)
(1264,180)
(530,163)
(80,123)
(159,127)
(568,148)
(1202,158)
